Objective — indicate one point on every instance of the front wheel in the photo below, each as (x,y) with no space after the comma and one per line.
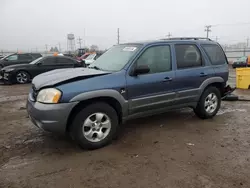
(22,77)
(95,126)
(209,103)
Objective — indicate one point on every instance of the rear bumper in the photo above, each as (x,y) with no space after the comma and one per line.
(227,91)
(50,117)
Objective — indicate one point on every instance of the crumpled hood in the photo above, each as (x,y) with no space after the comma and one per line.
(58,76)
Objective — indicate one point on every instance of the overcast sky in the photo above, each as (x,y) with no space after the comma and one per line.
(27,24)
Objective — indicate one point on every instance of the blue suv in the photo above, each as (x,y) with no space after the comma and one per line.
(129,81)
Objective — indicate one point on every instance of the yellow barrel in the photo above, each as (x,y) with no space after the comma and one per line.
(243,78)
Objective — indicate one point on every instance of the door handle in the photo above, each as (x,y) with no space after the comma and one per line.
(202,74)
(167,79)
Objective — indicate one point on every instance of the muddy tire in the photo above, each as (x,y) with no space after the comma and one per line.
(209,103)
(22,77)
(95,126)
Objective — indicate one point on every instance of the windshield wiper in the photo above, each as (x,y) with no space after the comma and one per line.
(95,67)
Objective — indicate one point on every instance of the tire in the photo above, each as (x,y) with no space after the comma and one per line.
(86,132)
(206,108)
(22,77)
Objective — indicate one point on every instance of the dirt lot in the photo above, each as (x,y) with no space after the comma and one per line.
(172,150)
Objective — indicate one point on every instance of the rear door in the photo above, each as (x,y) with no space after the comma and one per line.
(191,72)
(218,60)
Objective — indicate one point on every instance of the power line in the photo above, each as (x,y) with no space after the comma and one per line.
(229,24)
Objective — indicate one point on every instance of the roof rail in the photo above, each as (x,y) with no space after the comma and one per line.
(188,38)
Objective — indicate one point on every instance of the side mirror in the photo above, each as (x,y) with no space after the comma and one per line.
(141,69)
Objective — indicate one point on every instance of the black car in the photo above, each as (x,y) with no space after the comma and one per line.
(23,58)
(24,73)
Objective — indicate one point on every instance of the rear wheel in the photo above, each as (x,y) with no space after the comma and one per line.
(95,126)
(209,103)
(22,77)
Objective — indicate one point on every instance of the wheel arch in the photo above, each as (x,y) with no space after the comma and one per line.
(217,82)
(113,102)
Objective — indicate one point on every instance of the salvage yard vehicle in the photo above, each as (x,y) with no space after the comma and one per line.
(24,73)
(241,62)
(129,81)
(91,58)
(18,58)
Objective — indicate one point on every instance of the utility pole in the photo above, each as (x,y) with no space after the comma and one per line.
(169,35)
(59,45)
(247,41)
(118,36)
(46,47)
(208,29)
(84,38)
(80,42)
(216,39)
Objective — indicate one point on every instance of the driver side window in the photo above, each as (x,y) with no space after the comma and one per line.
(158,59)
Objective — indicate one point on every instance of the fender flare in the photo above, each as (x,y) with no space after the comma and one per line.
(103,93)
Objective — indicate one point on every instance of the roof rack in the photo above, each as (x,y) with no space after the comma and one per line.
(188,38)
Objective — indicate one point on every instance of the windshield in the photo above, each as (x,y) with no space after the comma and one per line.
(116,57)
(36,60)
(91,56)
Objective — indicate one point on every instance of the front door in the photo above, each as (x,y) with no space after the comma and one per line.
(45,65)
(11,60)
(154,90)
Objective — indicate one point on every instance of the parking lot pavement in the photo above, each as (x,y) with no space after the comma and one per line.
(175,149)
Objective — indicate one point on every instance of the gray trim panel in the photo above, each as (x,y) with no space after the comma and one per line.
(103,93)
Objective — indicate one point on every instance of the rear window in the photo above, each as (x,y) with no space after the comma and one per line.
(215,54)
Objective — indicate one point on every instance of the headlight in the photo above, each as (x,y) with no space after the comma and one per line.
(9,70)
(50,95)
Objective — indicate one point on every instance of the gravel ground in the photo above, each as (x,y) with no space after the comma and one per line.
(175,149)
